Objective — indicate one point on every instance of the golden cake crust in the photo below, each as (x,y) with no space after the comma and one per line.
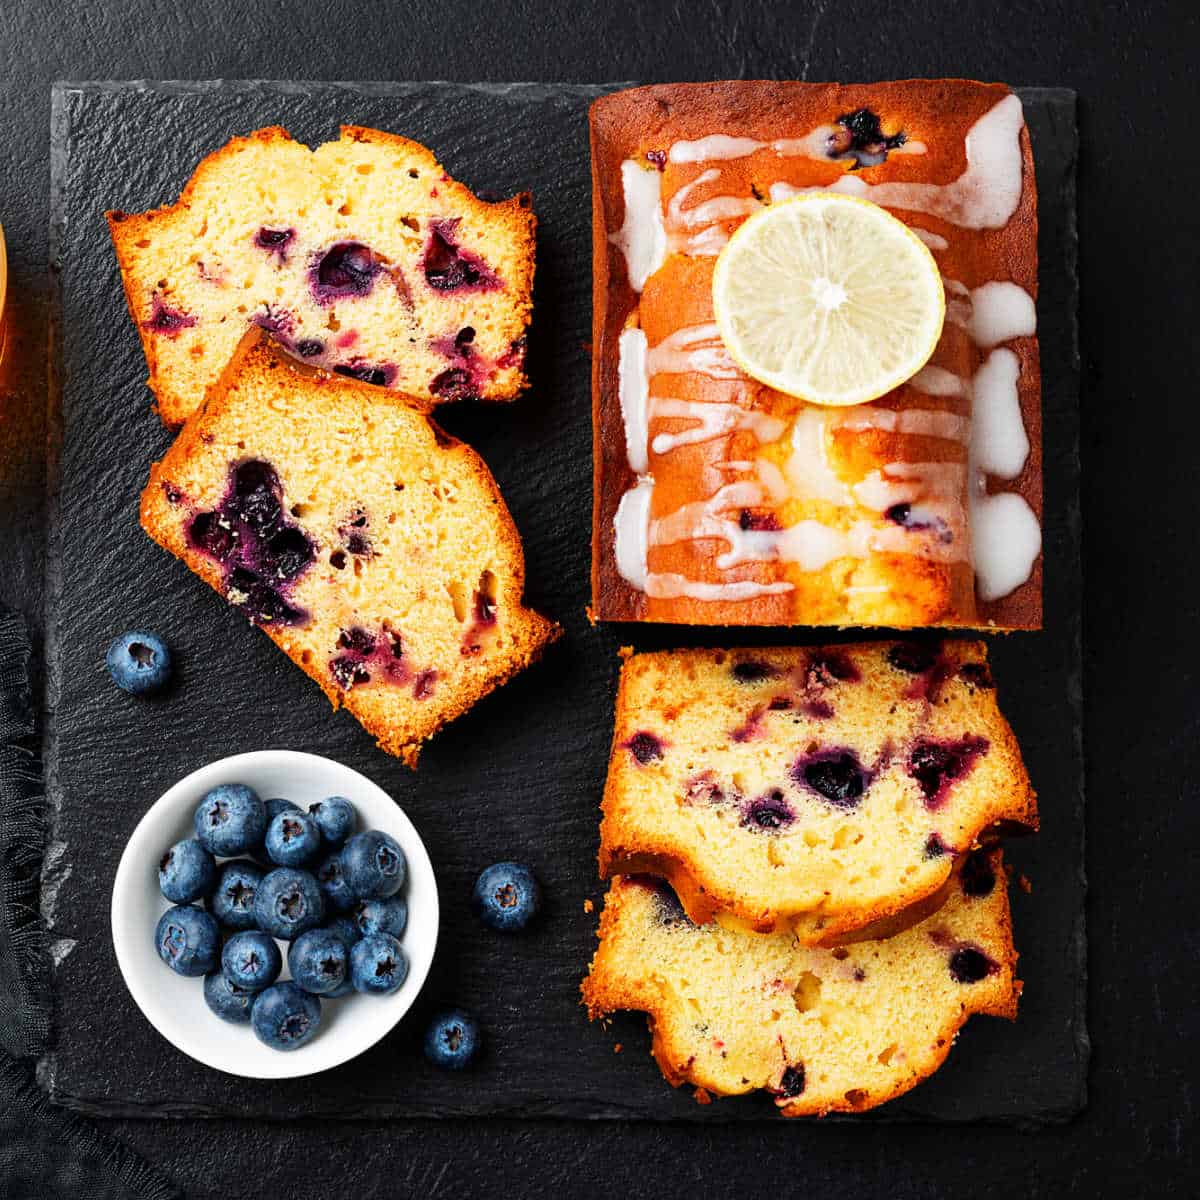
(852,1028)
(327,436)
(707,782)
(630,125)
(270,180)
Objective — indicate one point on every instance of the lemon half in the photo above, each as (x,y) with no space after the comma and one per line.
(828,298)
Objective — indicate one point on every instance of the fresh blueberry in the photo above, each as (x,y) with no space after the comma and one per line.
(293,839)
(506,896)
(377,964)
(227,1000)
(285,1016)
(139,662)
(277,805)
(334,817)
(187,939)
(251,960)
(230,820)
(288,903)
(382,916)
(338,896)
(345,988)
(186,872)
(452,1039)
(232,901)
(374,865)
(346,927)
(319,961)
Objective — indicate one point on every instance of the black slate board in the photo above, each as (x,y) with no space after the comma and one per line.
(521,775)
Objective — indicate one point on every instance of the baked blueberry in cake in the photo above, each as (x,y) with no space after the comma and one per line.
(362,256)
(822,1030)
(358,536)
(826,790)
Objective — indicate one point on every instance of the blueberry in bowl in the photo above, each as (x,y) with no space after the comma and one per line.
(139,663)
(346,927)
(378,965)
(188,940)
(388,916)
(506,896)
(332,882)
(288,903)
(293,839)
(285,1016)
(319,961)
(231,819)
(232,899)
(251,960)
(374,865)
(452,1039)
(187,872)
(228,1001)
(335,819)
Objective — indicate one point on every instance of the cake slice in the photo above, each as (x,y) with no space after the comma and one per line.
(825,790)
(372,548)
(839,1030)
(362,256)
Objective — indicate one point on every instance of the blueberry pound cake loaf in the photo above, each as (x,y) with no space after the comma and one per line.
(838,1030)
(827,791)
(361,256)
(721,501)
(372,548)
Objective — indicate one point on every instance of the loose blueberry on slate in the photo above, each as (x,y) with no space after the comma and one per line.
(139,663)
(187,939)
(186,872)
(227,1000)
(382,916)
(251,960)
(334,817)
(346,927)
(285,1016)
(319,961)
(293,839)
(230,820)
(452,1040)
(232,901)
(374,865)
(377,964)
(506,896)
(288,903)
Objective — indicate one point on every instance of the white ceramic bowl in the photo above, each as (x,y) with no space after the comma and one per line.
(174,1004)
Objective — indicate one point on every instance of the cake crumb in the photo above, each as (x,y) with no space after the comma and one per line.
(1024,884)
(588,906)
(702,1096)
(618,1048)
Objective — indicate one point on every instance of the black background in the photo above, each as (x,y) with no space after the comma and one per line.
(1134,68)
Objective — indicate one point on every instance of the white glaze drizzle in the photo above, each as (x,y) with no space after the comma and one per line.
(713,420)
(631,523)
(642,237)
(694,348)
(934,241)
(815,144)
(634,391)
(984,196)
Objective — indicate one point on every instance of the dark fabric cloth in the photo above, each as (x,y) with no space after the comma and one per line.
(44,1151)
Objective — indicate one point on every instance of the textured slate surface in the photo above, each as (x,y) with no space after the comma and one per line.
(521,775)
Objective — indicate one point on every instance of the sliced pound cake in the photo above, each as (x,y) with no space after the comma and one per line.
(824,790)
(839,1030)
(362,257)
(372,548)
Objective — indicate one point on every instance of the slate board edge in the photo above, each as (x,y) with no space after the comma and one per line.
(53,679)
